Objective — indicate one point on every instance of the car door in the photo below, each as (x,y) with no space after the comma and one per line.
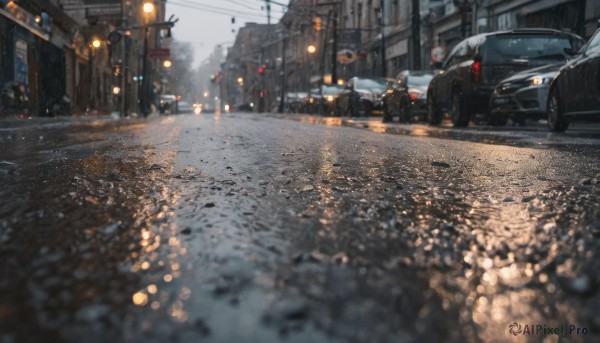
(579,79)
(451,72)
(591,77)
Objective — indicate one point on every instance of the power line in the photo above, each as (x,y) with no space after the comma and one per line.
(216,10)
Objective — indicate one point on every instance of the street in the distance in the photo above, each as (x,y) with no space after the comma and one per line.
(268,228)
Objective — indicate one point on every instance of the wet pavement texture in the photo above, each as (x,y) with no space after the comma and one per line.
(268,228)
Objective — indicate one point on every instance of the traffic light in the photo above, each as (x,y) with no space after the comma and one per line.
(261,69)
(215,78)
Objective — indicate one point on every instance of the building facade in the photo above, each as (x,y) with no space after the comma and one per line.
(383,37)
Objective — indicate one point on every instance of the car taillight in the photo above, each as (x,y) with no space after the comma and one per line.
(414,94)
(476,72)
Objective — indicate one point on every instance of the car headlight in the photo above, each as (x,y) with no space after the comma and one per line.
(330,98)
(537,80)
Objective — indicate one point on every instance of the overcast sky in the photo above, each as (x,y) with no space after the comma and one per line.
(207,23)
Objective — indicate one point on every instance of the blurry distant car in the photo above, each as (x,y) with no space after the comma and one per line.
(360,96)
(245,107)
(575,91)
(167,103)
(323,102)
(208,107)
(184,107)
(197,108)
(329,100)
(407,98)
(296,102)
(477,64)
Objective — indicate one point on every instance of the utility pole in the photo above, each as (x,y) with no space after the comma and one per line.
(124,64)
(283,76)
(382,24)
(416,34)
(334,78)
(268,9)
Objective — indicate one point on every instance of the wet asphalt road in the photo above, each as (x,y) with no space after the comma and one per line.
(265,228)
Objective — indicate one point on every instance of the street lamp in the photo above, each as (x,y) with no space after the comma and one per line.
(167,64)
(94,44)
(148,9)
(311,49)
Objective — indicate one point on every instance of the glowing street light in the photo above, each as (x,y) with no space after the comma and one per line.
(148,7)
(96,43)
(167,64)
(311,49)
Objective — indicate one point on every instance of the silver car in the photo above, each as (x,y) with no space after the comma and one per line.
(522,96)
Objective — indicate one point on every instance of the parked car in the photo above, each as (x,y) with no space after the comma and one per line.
(296,102)
(524,95)
(474,67)
(408,97)
(361,96)
(167,103)
(324,101)
(575,90)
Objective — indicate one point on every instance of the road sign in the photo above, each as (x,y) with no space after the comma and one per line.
(438,53)
(159,53)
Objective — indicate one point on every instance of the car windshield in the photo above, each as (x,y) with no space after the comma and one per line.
(332,90)
(371,84)
(420,80)
(507,48)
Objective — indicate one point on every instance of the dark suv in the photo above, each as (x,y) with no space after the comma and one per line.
(477,64)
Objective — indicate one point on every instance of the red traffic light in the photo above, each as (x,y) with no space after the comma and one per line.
(261,69)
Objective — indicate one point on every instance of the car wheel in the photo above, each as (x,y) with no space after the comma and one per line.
(434,115)
(458,110)
(404,113)
(556,121)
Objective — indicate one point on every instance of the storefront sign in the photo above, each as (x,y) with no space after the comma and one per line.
(21,70)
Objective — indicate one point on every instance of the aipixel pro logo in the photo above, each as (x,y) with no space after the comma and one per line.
(517,329)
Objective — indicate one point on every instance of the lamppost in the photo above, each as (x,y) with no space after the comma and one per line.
(94,44)
(148,9)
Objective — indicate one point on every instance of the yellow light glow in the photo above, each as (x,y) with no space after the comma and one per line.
(116,90)
(227,108)
(96,43)
(168,278)
(152,289)
(311,49)
(140,299)
(167,64)
(536,81)
(148,7)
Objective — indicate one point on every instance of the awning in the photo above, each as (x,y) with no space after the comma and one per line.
(24,25)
